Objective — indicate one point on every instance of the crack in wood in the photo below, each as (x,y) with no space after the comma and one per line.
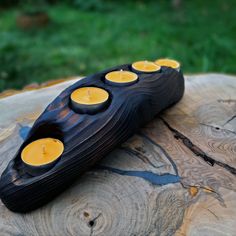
(196,150)
(162,149)
(153,178)
(218,128)
(227,100)
(92,223)
(212,213)
(187,186)
(234,116)
(140,155)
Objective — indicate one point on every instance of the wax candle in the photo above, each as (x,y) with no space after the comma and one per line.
(121,78)
(145,66)
(168,63)
(40,155)
(89,100)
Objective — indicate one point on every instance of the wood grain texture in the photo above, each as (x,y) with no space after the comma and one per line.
(87,138)
(125,193)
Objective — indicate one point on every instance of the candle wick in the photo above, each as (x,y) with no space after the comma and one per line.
(145,63)
(44,149)
(88,93)
(120,74)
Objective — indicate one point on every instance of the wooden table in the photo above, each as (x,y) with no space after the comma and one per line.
(177,176)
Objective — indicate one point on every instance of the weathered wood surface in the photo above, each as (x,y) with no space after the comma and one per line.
(176,177)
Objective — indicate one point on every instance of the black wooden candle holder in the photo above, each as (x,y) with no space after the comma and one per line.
(87,137)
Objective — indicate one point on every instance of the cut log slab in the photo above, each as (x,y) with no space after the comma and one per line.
(177,176)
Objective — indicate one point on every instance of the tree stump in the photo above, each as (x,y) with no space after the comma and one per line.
(32,20)
(177,176)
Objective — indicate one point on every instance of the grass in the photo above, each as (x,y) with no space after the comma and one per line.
(201,35)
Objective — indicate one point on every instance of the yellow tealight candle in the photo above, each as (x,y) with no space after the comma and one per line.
(145,66)
(168,63)
(41,153)
(89,99)
(121,78)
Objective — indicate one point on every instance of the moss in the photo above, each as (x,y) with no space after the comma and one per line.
(199,34)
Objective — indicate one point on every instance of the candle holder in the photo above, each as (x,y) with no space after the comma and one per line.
(87,138)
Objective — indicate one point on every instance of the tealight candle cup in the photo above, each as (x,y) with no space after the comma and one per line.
(39,170)
(41,155)
(121,78)
(89,100)
(168,63)
(145,67)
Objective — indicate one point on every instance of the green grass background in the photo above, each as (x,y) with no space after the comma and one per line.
(200,34)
